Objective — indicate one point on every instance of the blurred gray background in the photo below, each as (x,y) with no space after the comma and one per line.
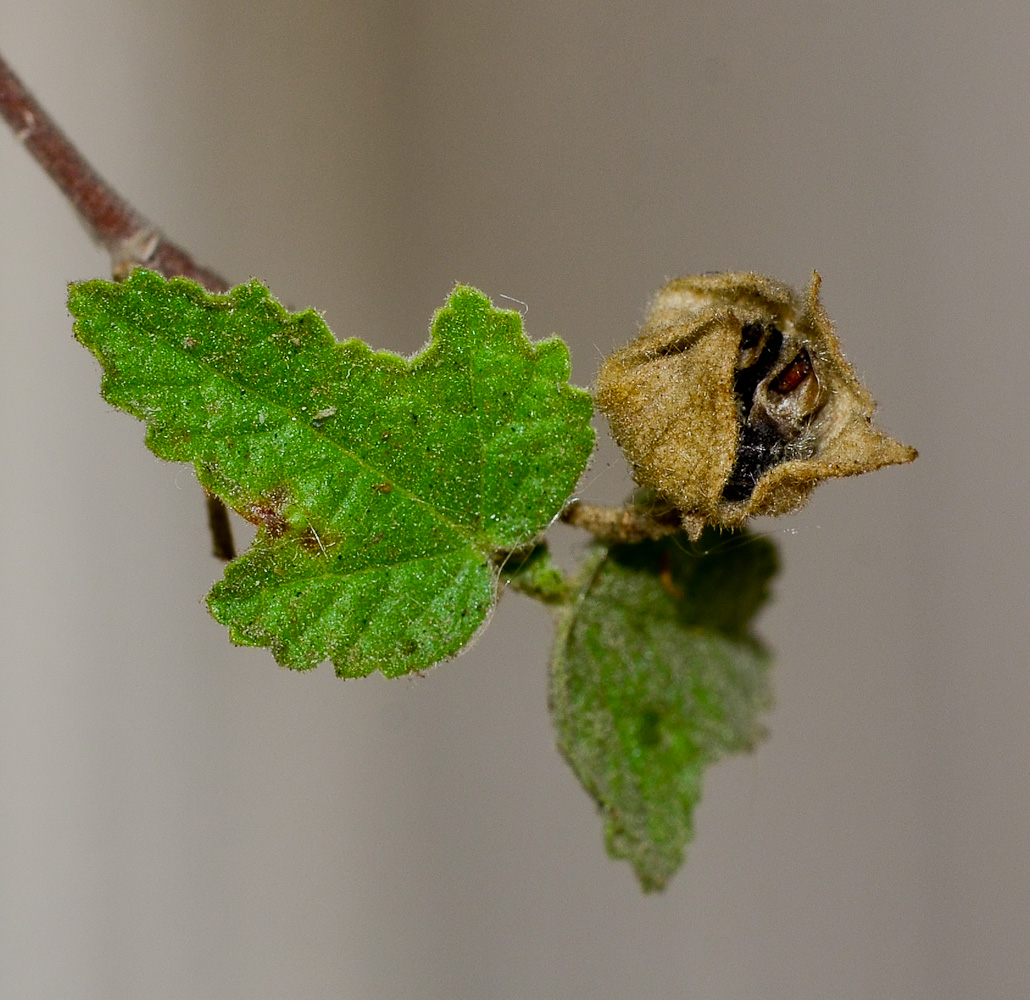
(180,818)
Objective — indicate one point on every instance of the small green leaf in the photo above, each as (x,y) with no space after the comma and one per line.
(536,574)
(381,487)
(655,676)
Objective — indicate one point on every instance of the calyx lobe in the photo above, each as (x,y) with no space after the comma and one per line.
(736,400)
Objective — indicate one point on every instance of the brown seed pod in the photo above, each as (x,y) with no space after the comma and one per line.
(735,400)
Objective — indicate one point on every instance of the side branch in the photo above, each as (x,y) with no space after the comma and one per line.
(111,221)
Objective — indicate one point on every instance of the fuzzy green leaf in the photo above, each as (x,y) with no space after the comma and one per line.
(381,486)
(655,676)
(536,574)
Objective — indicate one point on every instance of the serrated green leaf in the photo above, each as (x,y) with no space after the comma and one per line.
(655,676)
(381,486)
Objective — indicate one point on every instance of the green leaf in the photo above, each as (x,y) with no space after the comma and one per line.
(381,487)
(536,574)
(655,676)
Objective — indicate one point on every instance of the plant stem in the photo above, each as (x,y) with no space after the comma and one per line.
(622,525)
(110,220)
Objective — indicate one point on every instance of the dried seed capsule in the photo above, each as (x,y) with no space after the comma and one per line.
(736,400)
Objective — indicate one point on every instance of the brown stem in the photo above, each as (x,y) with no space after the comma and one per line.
(111,221)
(622,525)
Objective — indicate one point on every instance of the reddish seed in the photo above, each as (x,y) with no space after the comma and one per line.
(793,375)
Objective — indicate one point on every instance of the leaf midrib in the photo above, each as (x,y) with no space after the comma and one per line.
(249,392)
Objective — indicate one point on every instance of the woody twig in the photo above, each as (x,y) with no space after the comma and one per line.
(127,236)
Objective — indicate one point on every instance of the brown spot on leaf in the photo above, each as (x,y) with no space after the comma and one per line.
(312,542)
(267,512)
